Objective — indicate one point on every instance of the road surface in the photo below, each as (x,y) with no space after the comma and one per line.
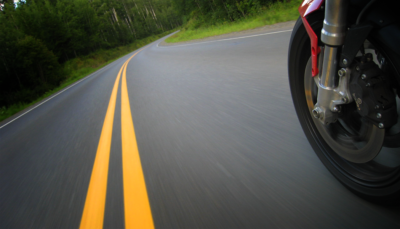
(219,142)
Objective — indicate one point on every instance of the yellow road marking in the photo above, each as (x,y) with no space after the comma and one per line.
(136,201)
(93,212)
(137,207)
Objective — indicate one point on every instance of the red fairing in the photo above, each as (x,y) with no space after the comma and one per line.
(307,7)
(315,49)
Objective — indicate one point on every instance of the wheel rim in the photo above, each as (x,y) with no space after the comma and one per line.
(353,139)
(343,140)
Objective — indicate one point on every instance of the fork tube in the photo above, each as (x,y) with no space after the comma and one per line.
(329,69)
(332,34)
(334,29)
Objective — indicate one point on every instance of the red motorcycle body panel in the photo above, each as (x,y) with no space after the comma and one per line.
(315,49)
(307,7)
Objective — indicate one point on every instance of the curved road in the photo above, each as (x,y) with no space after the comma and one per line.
(219,142)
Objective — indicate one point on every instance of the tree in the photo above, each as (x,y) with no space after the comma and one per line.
(38,36)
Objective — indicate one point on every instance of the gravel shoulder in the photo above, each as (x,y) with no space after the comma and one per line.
(265,29)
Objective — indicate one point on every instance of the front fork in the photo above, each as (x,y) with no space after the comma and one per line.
(333,85)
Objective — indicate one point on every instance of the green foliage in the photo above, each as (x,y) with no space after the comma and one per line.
(40,64)
(77,69)
(211,12)
(266,15)
(38,38)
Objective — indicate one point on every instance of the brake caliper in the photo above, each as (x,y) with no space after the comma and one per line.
(372,94)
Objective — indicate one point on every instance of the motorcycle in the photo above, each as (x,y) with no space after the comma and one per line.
(344,75)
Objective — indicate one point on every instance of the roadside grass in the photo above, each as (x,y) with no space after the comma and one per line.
(274,13)
(81,67)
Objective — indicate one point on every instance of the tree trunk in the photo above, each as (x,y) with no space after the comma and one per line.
(199,7)
(226,9)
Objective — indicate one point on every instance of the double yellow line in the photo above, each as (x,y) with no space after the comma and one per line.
(136,202)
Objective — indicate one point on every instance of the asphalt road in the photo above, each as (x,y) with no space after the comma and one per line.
(220,146)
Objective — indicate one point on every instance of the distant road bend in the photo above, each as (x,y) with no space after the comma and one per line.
(195,135)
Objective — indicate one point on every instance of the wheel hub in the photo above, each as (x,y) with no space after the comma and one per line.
(352,137)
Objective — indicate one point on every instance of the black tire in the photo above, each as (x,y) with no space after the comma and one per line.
(373,181)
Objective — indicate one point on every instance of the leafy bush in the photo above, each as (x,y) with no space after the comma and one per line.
(40,65)
(257,14)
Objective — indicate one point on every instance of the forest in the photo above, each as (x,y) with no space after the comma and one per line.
(206,12)
(37,37)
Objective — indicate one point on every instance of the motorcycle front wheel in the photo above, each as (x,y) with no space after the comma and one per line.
(377,180)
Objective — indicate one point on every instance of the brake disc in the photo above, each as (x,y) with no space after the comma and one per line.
(356,139)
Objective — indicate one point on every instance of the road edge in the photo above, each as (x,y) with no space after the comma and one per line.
(264,29)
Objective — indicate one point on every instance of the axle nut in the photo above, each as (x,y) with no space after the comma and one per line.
(316,112)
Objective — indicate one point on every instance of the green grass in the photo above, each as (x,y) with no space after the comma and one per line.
(277,12)
(81,67)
